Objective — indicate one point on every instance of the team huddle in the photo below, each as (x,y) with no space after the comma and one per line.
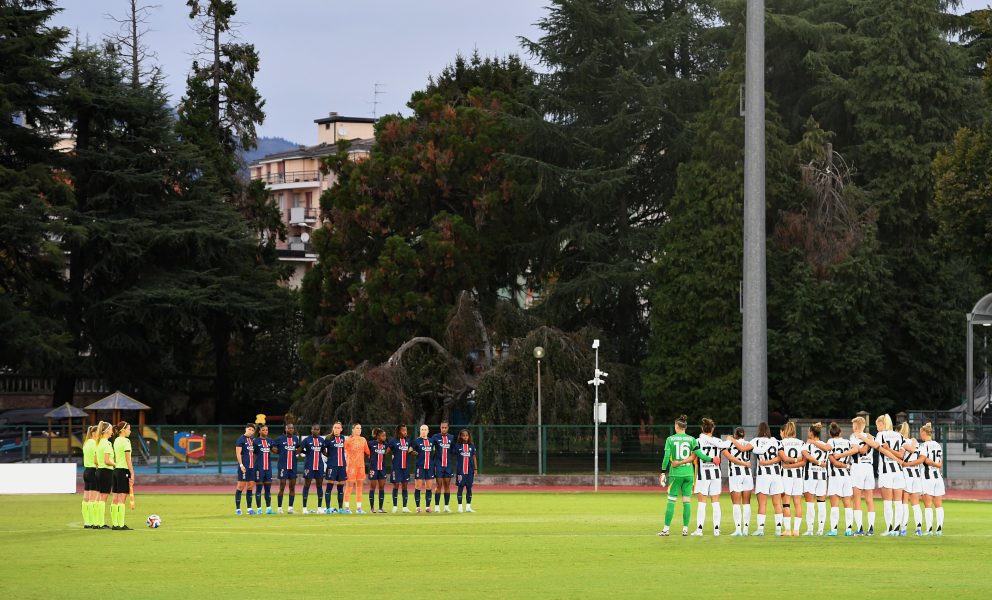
(790,471)
(347,462)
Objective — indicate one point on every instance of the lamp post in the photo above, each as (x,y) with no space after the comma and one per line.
(539,354)
(596,381)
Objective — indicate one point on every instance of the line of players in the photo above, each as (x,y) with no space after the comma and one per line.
(346,462)
(790,470)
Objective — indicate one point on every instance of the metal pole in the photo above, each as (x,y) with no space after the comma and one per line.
(595,419)
(970,369)
(754,405)
(540,448)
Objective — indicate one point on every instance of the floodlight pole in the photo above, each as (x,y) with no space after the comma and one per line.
(754,401)
(595,382)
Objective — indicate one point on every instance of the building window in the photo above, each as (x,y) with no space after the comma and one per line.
(327,125)
(282,203)
(309,200)
(296,200)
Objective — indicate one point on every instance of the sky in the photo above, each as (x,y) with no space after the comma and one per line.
(319,56)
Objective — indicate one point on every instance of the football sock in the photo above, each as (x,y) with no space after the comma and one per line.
(437,497)
(258,495)
(810,515)
(86,512)
(905,516)
(669,511)
(372,498)
(887,511)
(396,497)
(327,494)
(821,515)
(292,500)
(101,513)
(859,519)
(717,514)
(849,517)
(113,515)
(686,512)
(761,522)
(237,499)
(416,497)
(746,523)
(320,495)
(268,495)
(918,516)
(929,517)
(340,494)
(382,498)
(871,520)
(700,515)
(358,505)
(347,505)
(940,517)
(797,523)
(897,518)
(447,498)
(737,518)
(468,501)
(834,517)
(778,522)
(279,499)
(248,498)
(428,503)
(306,494)
(786,521)
(406,497)
(458,495)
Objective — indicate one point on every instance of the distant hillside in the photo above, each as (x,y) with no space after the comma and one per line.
(269,145)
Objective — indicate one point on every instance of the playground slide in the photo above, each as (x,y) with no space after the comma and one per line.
(149,433)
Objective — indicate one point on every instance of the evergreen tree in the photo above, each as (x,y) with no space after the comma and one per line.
(31,335)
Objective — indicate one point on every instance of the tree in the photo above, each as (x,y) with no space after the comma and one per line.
(432,210)
(133,27)
(31,196)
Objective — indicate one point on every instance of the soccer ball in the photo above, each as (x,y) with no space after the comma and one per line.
(154,521)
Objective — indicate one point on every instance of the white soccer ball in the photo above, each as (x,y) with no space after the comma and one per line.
(154,521)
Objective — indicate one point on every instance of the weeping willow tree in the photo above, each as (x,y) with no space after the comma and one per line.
(426,380)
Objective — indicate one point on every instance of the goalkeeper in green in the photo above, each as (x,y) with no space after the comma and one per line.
(680,453)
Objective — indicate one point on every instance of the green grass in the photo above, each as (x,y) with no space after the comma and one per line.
(517,545)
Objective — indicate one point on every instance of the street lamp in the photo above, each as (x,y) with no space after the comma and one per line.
(596,381)
(539,354)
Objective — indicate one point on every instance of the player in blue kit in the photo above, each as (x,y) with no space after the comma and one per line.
(337,468)
(399,475)
(286,446)
(244,450)
(443,467)
(312,447)
(423,448)
(263,469)
(377,468)
(466,466)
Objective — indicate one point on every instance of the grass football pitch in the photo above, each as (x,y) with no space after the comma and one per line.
(530,545)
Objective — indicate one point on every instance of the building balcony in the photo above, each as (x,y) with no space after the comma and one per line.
(301,216)
(290,177)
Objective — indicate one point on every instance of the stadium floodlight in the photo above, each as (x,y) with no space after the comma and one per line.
(595,344)
(595,382)
(539,354)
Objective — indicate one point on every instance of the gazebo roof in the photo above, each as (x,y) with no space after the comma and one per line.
(118,401)
(66,411)
(982,313)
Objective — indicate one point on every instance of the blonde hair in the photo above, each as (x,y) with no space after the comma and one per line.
(884,422)
(815,429)
(102,428)
(927,429)
(789,430)
(858,423)
(91,433)
(904,429)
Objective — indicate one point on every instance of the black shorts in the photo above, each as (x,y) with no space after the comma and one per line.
(104,480)
(121,481)
(89,479)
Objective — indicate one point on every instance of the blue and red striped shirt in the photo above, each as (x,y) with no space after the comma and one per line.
(399,448)
(312,445)
(442,447)
(334,450)
(247,448)
(465,455)
(263,446)
(287,446)
(377,456)
(425,453)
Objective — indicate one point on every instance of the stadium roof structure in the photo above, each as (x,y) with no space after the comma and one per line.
(66,411)
(981,314)
(118,401)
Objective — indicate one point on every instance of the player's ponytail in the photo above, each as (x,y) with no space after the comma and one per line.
(789,430)
(928,430)
(884,422)
(904,429)
(815,429)
(120,427)
(90,433)
(707,425)
(102,428)
(682,421)
(834,429)
(739,433)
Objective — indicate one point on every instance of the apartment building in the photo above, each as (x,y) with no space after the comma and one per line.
(294,179)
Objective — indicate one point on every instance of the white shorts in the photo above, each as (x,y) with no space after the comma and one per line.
(707,487)
(892,481)
(769,485)
(741,483)
(839,486)
(914,485)
(933,487)
(792,486)
(862,476)
(817,487)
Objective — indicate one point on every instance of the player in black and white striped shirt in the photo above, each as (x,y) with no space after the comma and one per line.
(741,481)
(816,454)
(793,469)
(839,483)
(891,479)
(933,481)
(708,485)
(914,480)
(863,475)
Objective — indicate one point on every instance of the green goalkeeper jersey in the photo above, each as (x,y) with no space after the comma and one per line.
(679,447)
